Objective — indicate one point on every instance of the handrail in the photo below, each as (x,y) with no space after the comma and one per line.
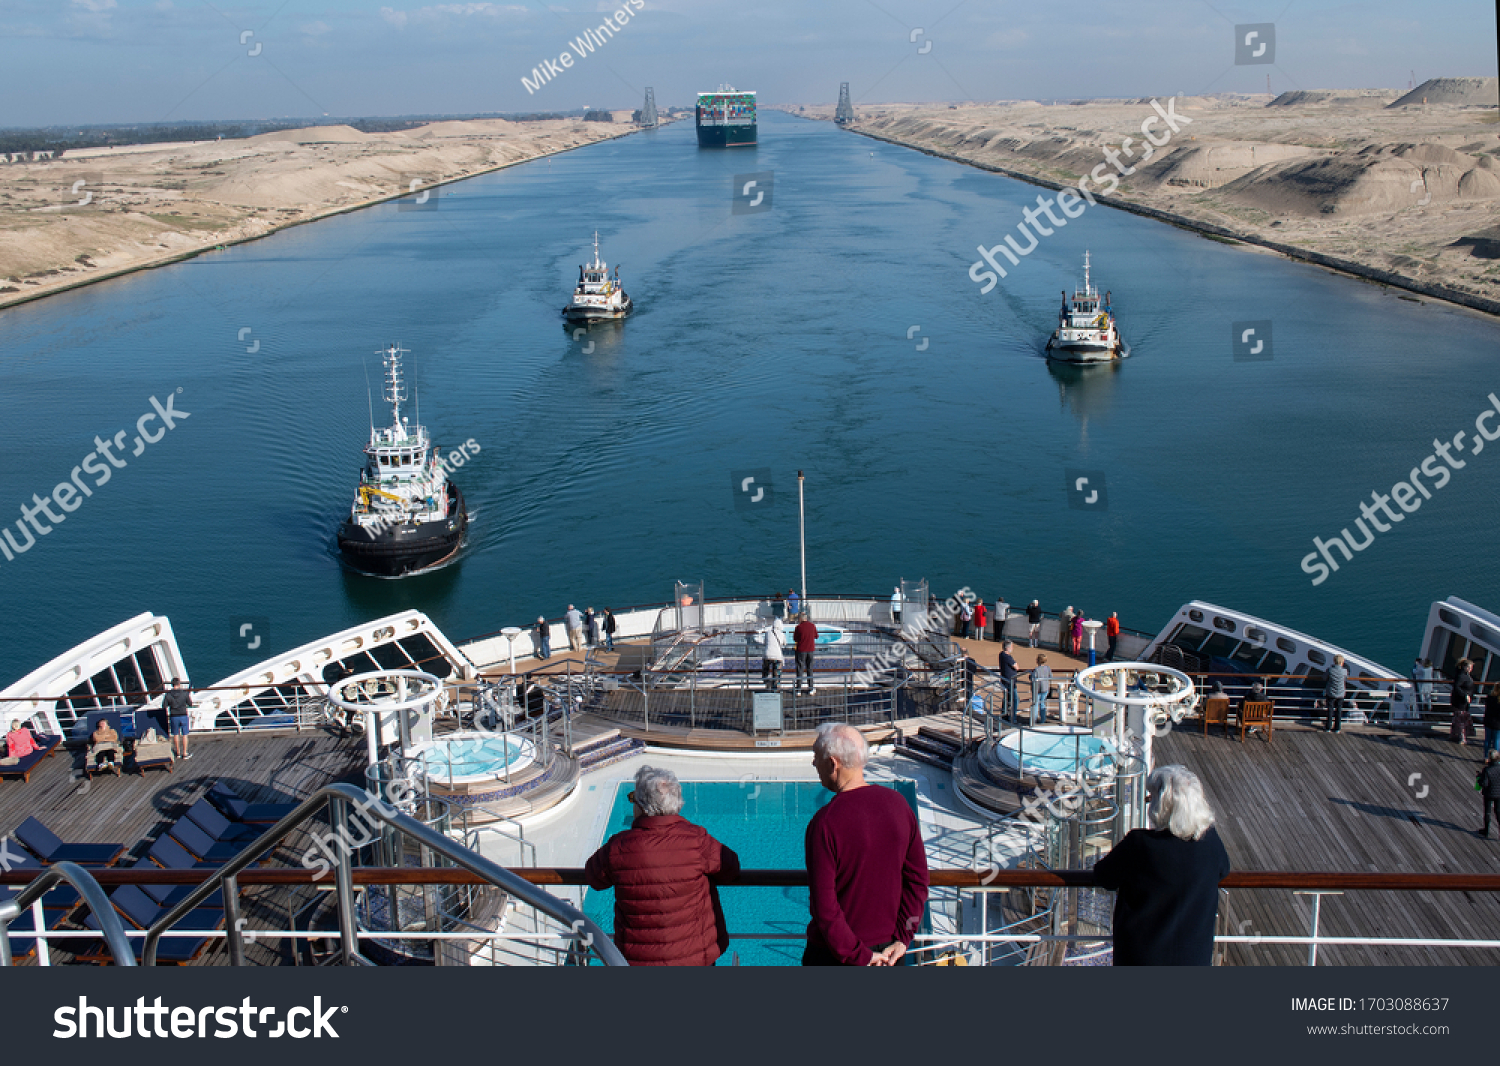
(939,878)
(93,895)
(338,797)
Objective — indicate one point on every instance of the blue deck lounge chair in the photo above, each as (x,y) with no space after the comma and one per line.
(208,818)
(142,911)
(170,855)
(56,906)
(48,847)
(203,847)
(232,805)
(169,895)
(46,745)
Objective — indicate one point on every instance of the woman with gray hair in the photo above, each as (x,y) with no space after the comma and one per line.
(1166,879)
(664,870)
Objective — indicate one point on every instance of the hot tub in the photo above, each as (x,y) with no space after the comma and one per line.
(1053,751)
(463,760)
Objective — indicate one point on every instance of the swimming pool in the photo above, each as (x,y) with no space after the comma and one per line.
(763,821)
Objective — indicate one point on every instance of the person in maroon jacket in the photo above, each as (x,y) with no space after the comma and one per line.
(805,637)
(866,864)
(664,870)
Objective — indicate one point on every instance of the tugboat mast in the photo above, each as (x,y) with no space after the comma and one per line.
(395,390)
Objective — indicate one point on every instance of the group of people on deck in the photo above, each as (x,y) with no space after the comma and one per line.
(584,629)
(868,876)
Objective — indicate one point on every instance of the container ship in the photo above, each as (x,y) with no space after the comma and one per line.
(726,118)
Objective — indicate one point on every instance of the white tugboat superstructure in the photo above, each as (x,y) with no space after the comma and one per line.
(1086,331)
(406,515)
(598,297)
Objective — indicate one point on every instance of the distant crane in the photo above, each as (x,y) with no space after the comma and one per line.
(648,109)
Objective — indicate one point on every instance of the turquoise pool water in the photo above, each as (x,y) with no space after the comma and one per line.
(471,756)
(1056,752)
(763,821)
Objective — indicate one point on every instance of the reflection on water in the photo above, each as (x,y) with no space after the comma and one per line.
(595,338)
(1086,391)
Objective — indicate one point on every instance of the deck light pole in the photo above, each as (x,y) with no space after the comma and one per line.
(802,538)
(1092,627)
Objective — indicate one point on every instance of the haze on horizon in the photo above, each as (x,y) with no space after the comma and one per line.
(145,61)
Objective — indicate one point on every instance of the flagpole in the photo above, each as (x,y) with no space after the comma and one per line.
(802,536)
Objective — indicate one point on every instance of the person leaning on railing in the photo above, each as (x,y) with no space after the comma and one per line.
(664,870)
(866,864)
(1166,878)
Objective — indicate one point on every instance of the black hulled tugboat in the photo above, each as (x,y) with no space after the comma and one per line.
(407,516)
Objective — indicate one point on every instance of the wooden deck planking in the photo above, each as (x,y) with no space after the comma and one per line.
(1315,802)
(135,810)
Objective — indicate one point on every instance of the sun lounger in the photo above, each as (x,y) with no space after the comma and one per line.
(62,898)
(142,911)
(50,848)
(46,745)
(153,751)
(237,809)
(202,846)
(22,945)
(170,855)
(169,895)
(208,818)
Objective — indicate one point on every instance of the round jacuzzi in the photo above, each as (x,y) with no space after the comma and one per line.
(1055,751)
(467,759)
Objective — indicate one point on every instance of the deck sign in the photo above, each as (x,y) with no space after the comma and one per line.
(767,712)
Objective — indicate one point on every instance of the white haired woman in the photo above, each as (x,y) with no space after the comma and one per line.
(1166,879)
(663,870)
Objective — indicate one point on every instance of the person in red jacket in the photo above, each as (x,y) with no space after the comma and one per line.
(1112,631)
(866,864)
(805,636)
(979,620)
(664,870)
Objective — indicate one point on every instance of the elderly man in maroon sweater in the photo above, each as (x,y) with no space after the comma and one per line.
(663,870)
(865,861)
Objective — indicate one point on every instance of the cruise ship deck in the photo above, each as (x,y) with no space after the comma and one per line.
(136,809)
(1306,802)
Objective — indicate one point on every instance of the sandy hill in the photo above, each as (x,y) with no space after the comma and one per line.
(494,127)
(1402,191)
(1469,92)
(313,135)
(1371,98)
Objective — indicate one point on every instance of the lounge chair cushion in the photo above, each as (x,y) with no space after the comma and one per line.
(50,848)
(187,833)
(217,826)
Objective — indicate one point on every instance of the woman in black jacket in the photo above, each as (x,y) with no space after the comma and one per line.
(1462,726)
(1166,879)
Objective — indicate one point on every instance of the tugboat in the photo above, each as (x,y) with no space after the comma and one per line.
(407,516)
(598,296)
(1086,331)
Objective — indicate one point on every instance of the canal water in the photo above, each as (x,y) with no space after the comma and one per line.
(831,328)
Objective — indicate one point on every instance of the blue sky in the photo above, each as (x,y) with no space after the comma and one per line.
(88,61)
